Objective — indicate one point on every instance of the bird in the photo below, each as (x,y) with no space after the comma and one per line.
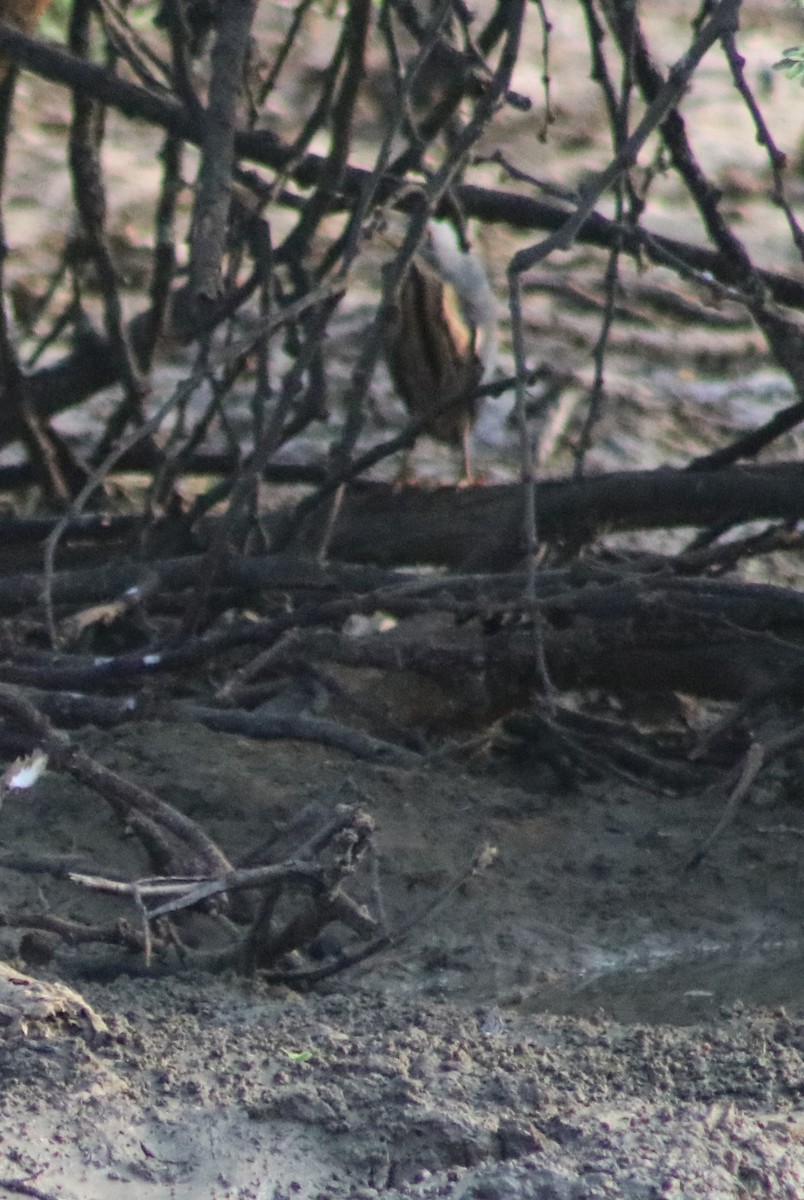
(441,338)
(25,15)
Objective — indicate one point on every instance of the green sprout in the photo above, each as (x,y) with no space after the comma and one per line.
(792,63)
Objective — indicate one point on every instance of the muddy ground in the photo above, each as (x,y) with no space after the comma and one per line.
(587,1018)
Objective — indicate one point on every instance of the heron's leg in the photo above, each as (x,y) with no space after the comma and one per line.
(468,478)
(404,476)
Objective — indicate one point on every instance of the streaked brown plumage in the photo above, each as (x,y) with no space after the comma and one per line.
(432,357)
(441,339)
(25,15)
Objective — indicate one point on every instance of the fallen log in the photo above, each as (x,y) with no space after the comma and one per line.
(481,529)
